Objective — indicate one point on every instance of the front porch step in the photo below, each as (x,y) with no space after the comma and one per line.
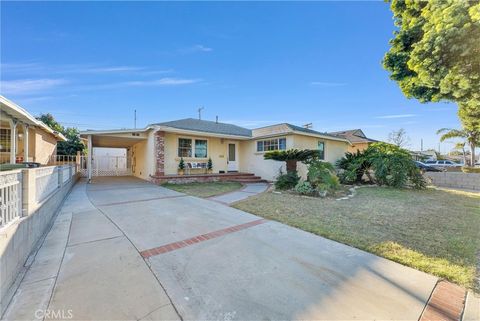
(256,179)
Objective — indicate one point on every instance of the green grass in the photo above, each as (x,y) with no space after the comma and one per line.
(204,189)
(436,231)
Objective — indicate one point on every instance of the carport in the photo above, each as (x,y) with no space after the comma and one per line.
(124,138)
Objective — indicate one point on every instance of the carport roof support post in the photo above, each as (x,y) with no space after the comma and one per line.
(89,158)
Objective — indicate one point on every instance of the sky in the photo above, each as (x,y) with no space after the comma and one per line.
(91,64)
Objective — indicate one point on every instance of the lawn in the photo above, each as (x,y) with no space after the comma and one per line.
(204,189)
(431,230)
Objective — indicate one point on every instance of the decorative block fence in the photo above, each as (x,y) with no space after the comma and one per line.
(29,198)
(455,180)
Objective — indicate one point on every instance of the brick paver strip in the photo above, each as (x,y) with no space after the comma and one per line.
(199,238)
(142,200)
(445,304)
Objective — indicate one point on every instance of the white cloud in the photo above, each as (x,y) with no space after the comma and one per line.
(327,84)
(396,116)
(196,48)
(27,86)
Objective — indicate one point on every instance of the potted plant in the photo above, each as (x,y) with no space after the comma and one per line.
(209,166)
(181,167)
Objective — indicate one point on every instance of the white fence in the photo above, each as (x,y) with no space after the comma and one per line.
(106,166)
(10,196)
(37,183)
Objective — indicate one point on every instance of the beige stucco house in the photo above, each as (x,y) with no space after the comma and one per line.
(24,138)
(155,151)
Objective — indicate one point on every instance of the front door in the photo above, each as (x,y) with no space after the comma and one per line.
(232,161)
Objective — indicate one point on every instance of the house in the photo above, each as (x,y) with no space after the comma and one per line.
(154,152)
(24,138)
(357,137)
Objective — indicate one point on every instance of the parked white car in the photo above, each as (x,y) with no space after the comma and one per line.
(443,163)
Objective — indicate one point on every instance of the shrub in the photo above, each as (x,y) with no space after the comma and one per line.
(209,164)
(392,166)
(353,166)
(471,169)
(287,181)
(305,188)
(181,164)
(321,175)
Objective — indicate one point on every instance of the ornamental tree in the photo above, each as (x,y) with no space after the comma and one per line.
(292,156)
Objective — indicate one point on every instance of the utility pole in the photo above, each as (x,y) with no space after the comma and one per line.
(200,113)
(421,144)
(135,119)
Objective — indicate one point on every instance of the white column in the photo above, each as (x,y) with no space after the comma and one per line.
(25,142)
(89,158)
(13,140)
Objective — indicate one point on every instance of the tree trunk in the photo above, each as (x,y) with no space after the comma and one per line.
(472,156)
(464,156)
(291,165)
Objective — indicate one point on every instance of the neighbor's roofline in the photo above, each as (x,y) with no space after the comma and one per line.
(32,120)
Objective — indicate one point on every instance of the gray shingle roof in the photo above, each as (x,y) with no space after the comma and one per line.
(207,126)
(310,131)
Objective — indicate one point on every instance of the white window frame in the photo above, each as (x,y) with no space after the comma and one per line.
(270,139)
(193,139)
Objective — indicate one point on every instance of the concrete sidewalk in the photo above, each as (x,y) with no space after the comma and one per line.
(120,245)
(244,193)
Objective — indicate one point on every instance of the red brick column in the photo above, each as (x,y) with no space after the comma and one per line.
(159,153)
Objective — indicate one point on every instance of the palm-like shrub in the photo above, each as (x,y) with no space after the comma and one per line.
(322,176)
(354,166)
(292,156)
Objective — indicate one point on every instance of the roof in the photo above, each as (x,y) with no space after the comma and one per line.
(310,131)
(207,126)
(15,111)
(354,136)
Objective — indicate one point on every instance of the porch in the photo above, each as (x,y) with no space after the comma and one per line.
(24,138)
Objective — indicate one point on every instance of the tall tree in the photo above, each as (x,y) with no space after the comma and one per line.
(435,54)
(73,143)
(399,138)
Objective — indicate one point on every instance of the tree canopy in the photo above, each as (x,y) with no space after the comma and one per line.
(435,54)
(292,156)
(73,143)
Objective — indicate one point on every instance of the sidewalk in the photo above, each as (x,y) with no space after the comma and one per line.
(245,192)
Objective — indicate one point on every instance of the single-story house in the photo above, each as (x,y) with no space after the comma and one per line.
(359,141)
(24,138)
(154,152)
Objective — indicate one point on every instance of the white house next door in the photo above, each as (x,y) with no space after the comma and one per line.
(232,161)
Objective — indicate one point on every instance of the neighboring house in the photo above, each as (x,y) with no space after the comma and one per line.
(357,137)
(24,138)
(156,149)
(425,155)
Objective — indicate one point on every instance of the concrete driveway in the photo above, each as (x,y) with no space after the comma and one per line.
(132,250)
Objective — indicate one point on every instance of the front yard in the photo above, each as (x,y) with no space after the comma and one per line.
(431,230)
(204,189)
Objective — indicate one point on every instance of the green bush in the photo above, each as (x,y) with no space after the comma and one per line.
(322,174)
(181,164)
(470,169)
(392,166)
(305,188)
(287,181)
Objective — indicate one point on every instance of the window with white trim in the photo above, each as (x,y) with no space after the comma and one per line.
(184,147)
(5,139)
(321,149)
(271,144)
(196,148)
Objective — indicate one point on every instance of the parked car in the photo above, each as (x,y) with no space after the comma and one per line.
(428,168)
(442,163)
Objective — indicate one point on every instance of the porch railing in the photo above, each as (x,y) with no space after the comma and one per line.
(10,196)
(22,191)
